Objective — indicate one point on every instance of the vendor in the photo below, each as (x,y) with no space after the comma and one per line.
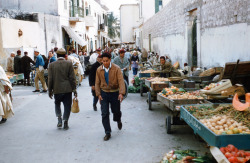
(167,69)
(5,99)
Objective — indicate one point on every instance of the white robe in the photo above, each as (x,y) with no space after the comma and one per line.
(76,61)
(6,108)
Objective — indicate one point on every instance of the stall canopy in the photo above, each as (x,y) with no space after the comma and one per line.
(72,34)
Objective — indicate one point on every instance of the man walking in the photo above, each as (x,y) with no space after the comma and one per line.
(92,78)
(39,72)
(26,60)
(123,63)
(17,63)
(62,83)
(109,88)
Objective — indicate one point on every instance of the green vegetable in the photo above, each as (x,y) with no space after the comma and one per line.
(181,90)
(173,90)
(164,92)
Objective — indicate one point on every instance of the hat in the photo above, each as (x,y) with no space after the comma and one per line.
(36,50)
(12,53)
(122,51)
(61,51)
(99,56)
(99,49)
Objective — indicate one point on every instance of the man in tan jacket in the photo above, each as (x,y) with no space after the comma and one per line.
(62,82)
(109,88)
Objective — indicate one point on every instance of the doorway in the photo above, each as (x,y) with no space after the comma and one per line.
(194,43)
(149,42)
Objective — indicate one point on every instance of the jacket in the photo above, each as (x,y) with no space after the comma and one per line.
(39,61)
(26,60)
(122,65)
(116,80)
(17,64)
(92,73)
(168,68)
(61,77)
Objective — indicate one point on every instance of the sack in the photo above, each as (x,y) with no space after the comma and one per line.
(75,106)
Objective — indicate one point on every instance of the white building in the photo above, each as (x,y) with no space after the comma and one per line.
(129,20)
(78,24)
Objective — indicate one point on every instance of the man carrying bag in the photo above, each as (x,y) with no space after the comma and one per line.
(62,82)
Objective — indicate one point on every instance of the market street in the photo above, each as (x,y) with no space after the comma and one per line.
(32,136)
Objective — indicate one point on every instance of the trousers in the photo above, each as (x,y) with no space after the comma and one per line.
(66,99)
(40,76)
(110,98)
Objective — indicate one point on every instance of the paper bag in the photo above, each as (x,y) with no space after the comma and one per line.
(75,106)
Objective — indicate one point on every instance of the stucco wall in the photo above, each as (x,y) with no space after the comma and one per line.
(129,18)
(222,31)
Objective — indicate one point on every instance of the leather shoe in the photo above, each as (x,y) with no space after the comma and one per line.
(59,124)
(3,120)
(65,126)
(44,91)
(107,137)
(36,91)
(119,124)
(95,108)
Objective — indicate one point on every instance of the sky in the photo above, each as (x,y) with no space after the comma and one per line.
(114,5)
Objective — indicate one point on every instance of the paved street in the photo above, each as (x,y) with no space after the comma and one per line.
(31,135)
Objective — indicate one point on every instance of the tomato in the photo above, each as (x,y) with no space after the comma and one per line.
(248,157)
(230,148)
(241,159)
(234,154)
(223,150)
(233,159)
(247,153)
(228,155)
(241,153)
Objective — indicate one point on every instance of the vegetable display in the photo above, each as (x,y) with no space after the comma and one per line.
(235,155)
(158,79)
(148,71)
(223,119)
(187,95)
(210,86)
(172,90)
(184,156)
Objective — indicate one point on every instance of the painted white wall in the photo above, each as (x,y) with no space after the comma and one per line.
(147,9)
(225,44)
(129,18)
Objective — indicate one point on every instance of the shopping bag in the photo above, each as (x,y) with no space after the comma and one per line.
(75,106)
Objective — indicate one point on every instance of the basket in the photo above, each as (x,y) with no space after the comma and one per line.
(176,65)
(209,72)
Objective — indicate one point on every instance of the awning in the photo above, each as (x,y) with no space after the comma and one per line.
(72,34)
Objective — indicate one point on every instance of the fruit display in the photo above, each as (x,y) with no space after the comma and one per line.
(184,156)
(210,86)
(239,105)
(187,95)
(148,71)
(235,155)
(172,90)
(222,120)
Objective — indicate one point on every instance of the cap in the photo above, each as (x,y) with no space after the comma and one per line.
(122,51)
(99,49)
(36,50)
(12,53)
(61,51)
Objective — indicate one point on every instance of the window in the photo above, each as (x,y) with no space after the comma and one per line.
(89,10)
(65,4)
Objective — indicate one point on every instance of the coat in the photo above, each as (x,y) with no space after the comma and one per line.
(25,61)
(122,65)
(92,73)
(10,64)
(17,64)
(116,80)
(61,77)
(168,68)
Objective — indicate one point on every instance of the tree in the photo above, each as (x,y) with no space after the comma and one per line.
(113,26)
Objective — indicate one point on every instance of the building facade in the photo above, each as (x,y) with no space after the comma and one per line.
(203,33)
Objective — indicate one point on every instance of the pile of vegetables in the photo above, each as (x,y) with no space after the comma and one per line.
(184,156)
(187,95)
(148,71)
(234,155)
(136,86)
(212,85)
(223,119)
(172,90)
(158,79)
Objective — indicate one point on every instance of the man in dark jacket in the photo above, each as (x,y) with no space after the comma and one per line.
(17,63)
(25,62)
(62,83)
(92,76)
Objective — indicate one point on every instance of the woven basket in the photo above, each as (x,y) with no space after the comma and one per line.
(209,72)
(176,65)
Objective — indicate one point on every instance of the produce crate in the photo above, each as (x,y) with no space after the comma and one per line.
(12,80)
(199,79)
(20,76)
(159,86)
(141,75)
(240,141)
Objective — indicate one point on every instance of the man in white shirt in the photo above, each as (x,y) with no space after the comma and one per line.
(94,56)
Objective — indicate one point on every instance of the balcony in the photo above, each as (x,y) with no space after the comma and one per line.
(76,14)
(89,21)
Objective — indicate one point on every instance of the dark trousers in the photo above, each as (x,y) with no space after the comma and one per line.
(135,71)
(26,74)
(112,99)
(126,78)
(66,99)
(95,98)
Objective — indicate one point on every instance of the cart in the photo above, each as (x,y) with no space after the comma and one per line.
(144,76)
(154,88)
(174,106)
